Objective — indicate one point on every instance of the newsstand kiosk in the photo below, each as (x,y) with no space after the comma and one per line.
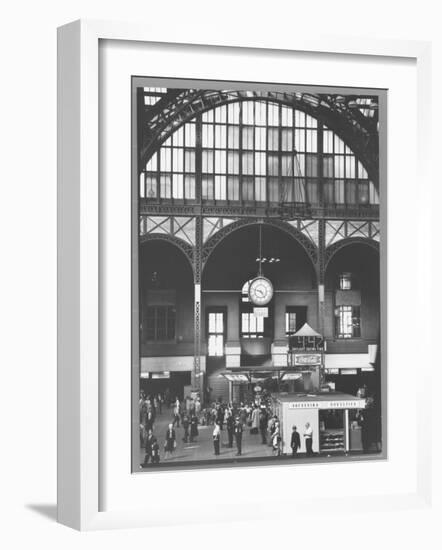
(331,415)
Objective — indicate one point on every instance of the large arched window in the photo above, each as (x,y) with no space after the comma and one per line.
(256,151)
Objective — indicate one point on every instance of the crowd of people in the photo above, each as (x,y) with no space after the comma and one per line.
(188,415)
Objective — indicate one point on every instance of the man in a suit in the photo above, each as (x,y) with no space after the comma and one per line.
(295,442)
(238,435)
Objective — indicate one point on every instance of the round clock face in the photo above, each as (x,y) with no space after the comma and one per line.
(260,291)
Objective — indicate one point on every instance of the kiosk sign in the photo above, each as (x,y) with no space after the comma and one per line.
(307,359)
(341,404)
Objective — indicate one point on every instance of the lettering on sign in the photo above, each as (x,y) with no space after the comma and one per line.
(351,404)
(307,359)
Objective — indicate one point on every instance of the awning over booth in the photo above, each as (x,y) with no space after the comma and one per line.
(307,331)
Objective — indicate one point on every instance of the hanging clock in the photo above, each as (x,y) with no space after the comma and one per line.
(260,291)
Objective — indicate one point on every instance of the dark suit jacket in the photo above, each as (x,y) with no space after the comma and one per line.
(296,440)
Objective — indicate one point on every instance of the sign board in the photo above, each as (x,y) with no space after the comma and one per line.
(309,359)
(261,311)
(346,404)
(236,377)
(291,376)
(160,375)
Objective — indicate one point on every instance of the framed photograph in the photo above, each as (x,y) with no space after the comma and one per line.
(256,273)
(229,274)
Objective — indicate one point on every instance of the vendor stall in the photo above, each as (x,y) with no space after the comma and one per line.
(331,417)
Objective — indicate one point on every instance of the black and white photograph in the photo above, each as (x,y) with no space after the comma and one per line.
(256,274)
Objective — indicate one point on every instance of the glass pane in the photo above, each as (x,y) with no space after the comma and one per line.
(208,116)
(178,187)
(220,188)
(207,135)
(287,140)
(350,167)
(189,160)
(233,162)
(207,188)
(189,187)
(220,162)
(247,137)
(339,166)
(178,158)
(286,116)
(260,138)
(273,139)
(247,189)
(220,136)
(273,190)
(339,192)
(221,114)
(311,165)
(208,161)
(247,112)
(189,134)
(247,163)
(311,141)
(212,322)
(233,112)
(260,189)
(142,190)
(165,186)
(165,159)
(233,188)
(351,191)
(233,137)
(327,163)
(260,164)
(300,140)
(329,197)
(273,114)
(312,191)
(363,192)
(272,165)
(287,165)
(260,113)
(299,119)
(151,187)
(327,141)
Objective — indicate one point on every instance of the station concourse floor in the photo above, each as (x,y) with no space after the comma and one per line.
(202,446)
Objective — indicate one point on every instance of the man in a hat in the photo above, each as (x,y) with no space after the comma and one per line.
(238,435)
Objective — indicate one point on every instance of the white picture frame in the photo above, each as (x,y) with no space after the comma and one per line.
(79,267)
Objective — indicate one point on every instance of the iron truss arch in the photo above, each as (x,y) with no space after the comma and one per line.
(184,247)
(342,114)
(211,244)
(331,250)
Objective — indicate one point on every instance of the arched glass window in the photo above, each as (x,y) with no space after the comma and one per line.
(256,151)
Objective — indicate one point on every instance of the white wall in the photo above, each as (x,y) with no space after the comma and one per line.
(28,245)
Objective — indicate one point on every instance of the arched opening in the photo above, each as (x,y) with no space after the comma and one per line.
(249,336)
(166,318)
(353,293)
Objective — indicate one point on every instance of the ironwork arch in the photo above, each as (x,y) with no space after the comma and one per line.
(356,130)
(185,248)
(211,244)
(331,250)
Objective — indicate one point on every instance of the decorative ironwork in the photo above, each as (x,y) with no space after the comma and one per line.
(337,230)
(182,227)
(286,212)
(185,248)
(305,242)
